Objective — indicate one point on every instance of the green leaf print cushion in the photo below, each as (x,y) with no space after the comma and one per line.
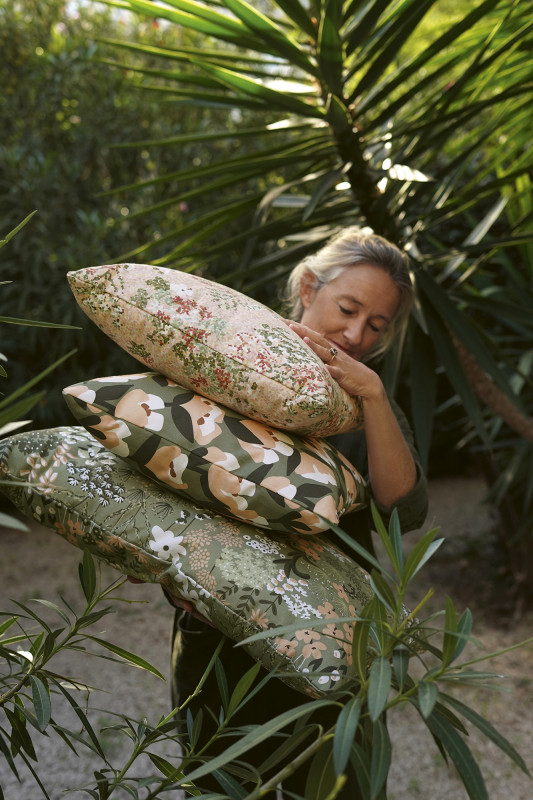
(217,342)
(244,580)
(228,463)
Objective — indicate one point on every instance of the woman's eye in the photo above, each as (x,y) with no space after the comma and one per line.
(346,311)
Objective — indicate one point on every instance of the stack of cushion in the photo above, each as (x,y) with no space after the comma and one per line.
(214,456)
(241,578)
(209,473)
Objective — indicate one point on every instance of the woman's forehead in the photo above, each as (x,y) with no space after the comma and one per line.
(366,284)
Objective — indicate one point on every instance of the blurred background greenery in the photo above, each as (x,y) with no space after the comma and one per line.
(61,116)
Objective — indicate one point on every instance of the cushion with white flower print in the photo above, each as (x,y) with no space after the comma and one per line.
(217,342)
(216,457)
(244,580)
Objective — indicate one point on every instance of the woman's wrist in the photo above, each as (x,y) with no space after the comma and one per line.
(373,393)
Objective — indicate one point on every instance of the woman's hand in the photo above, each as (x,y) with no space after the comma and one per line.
(355,378)
(391,467)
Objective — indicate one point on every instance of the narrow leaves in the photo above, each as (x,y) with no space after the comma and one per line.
(379,686)
(41,702)
(345,732)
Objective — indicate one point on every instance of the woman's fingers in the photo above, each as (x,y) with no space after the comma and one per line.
(354,377)
(318,344)
(311,337)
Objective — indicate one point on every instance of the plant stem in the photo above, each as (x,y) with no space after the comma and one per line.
(292,767)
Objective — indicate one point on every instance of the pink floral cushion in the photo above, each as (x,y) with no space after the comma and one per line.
(217,342)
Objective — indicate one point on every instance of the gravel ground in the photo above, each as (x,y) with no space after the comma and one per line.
(40,564)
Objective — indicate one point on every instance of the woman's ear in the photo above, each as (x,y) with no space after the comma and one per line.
(308,288)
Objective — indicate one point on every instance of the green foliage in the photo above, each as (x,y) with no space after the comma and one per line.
(30,688)
(369,121)
(399,659)
(423,138)
(19,402)
(63,115)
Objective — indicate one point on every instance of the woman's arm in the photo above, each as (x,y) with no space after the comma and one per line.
(391,467)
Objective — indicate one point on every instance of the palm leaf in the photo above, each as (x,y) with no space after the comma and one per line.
(455,110)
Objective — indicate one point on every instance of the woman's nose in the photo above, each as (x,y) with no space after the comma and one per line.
(354,331)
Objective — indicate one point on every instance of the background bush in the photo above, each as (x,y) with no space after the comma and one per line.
(62,116)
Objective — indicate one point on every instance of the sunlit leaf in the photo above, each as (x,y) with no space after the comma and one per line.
(268,31)
(125,655)
(204,20)
(36,323)
(13,426)
(164,766)
(277,99)
(421,553)
(15,230)
(54,607)
(7,521)
(330,51)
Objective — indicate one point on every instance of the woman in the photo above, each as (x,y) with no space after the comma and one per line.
(348,302)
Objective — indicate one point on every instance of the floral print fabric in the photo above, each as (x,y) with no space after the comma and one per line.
(242,579)
(217,342)
(216,457)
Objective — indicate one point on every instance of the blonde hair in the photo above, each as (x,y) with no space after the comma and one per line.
(351,248)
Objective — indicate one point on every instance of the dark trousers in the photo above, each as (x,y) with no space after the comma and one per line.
(193,644)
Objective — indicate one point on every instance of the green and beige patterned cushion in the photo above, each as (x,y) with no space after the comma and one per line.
(227,463)
(244,580)
(217,342)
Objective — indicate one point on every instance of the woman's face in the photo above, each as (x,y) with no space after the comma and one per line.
(354,310)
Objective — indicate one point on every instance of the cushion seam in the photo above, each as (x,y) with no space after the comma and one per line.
(298,393)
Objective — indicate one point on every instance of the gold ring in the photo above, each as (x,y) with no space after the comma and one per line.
(334,353)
